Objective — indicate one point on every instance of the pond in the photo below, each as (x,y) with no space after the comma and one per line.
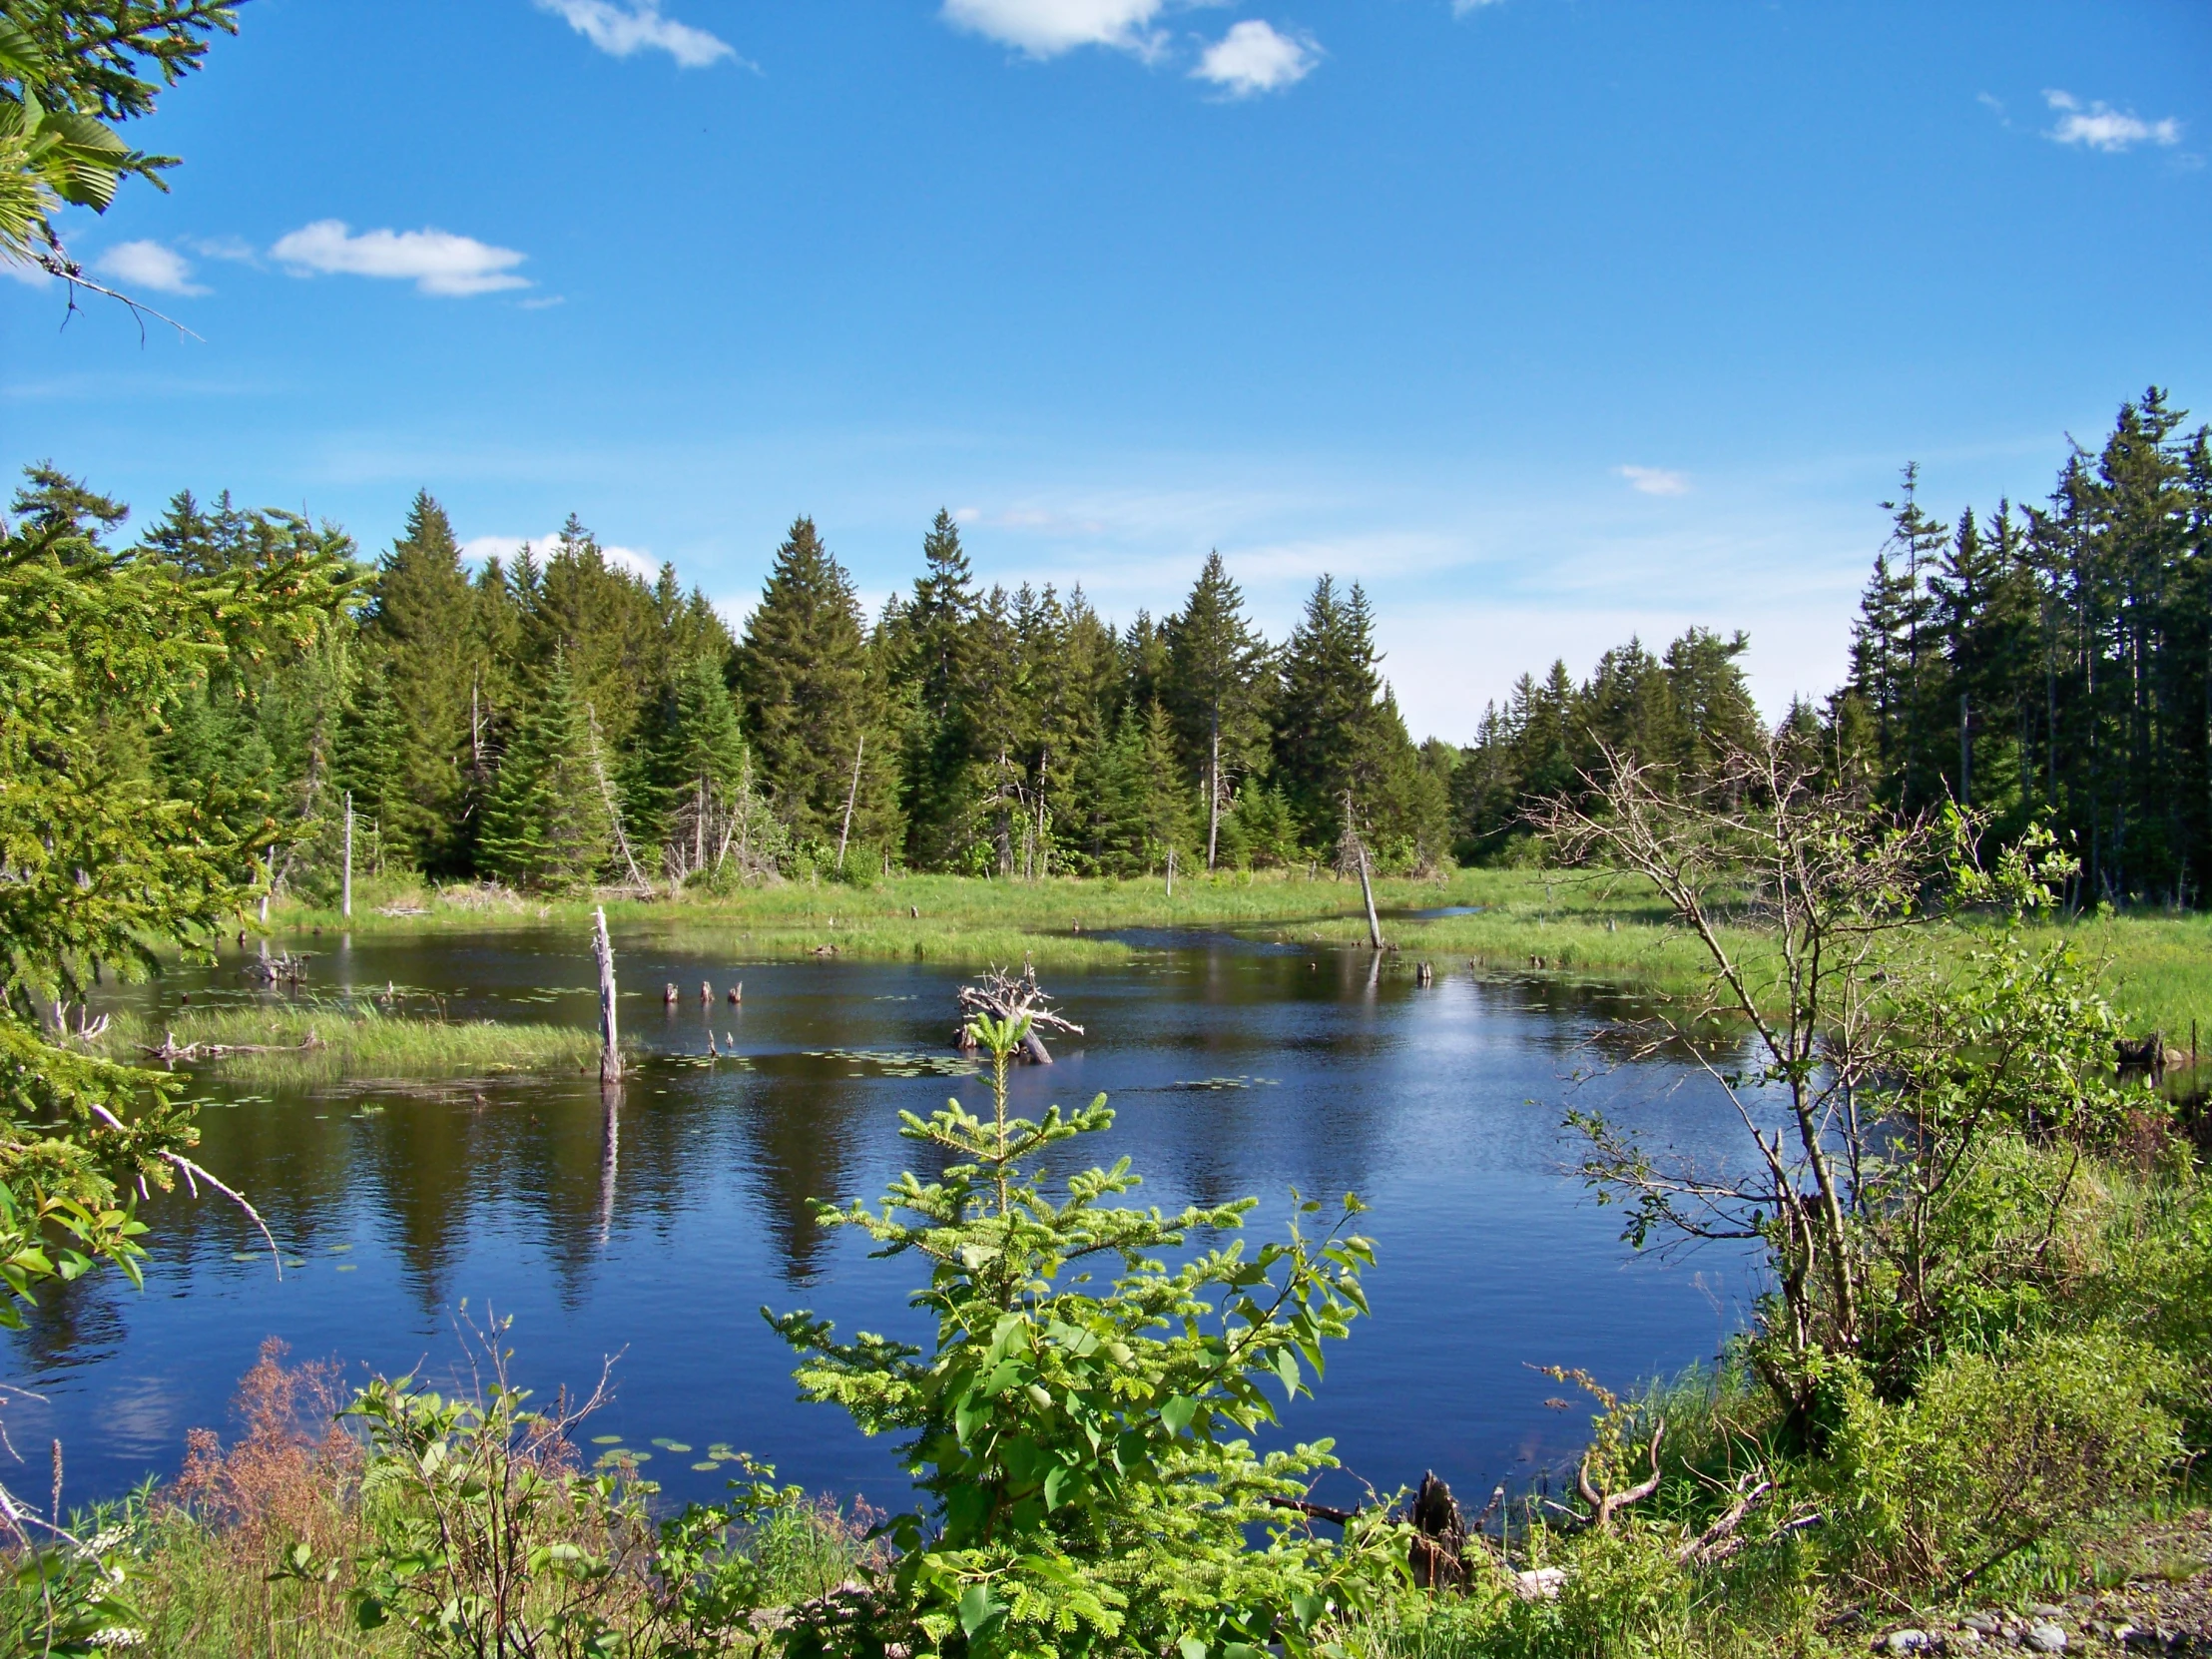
(659,1235)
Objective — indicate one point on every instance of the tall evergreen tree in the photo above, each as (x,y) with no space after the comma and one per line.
(1322,734)
(546,824)
(1218,689)
(808,698)
(419,624)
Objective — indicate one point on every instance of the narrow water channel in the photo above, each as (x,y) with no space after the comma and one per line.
(1234,1069)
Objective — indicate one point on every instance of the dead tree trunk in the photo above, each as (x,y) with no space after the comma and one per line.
(852,793)
(610,1054)
(613,808)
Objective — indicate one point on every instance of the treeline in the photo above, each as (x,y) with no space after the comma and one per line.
(558,718)
(2043,664)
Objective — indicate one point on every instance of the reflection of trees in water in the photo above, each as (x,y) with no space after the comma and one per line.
(72,1325)
(801,1134)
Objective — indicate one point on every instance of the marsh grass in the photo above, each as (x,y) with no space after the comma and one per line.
(354,1041)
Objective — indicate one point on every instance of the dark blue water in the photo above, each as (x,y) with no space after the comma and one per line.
(659,1235)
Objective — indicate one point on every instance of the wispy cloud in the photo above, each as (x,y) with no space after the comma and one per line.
(436,261)
(1046,28)
(236,248)
(2098,126)
(1462,8)
(1655,481)
(1255,57)
(620,30)
(148,264)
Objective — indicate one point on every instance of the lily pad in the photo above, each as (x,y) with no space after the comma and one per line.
(606,1439)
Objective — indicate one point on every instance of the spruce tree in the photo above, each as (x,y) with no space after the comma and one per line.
(1330,686)
(419,626)
(802,671)
(546,824)
(371,765)
(1218,686)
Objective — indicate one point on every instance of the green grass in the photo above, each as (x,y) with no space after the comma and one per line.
(2158,972)
(354,1041)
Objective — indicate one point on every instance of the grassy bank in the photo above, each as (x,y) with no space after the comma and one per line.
(2159,971)
(330,1042)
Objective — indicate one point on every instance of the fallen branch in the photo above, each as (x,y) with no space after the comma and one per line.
(170,1050)
(195,1174)
(1721,1540)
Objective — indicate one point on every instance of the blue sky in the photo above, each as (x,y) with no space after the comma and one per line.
(1548,319)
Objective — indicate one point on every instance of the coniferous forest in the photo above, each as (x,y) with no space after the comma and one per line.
(560,720)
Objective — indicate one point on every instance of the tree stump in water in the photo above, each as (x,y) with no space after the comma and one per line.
(737,993)
(669,994)
(2142,1057)
(1438,1551)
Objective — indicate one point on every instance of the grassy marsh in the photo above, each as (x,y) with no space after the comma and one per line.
(2158,966)
(352,1041)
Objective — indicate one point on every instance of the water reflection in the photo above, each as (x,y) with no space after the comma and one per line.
(658,1218)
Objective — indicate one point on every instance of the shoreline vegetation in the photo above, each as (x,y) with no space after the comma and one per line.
(2156,965)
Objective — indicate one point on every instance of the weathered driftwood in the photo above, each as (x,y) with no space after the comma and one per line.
(169,1050)
(285,969)
(1017,997)
(1447,1549)
(1605,1505)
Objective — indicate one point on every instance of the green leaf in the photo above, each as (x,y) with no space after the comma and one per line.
(1178,1413)
(977,1609)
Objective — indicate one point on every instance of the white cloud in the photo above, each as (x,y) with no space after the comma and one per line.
(2101,126)
(1462,8)
(1253,58)
(30,275)
(1655,481)
(1046,28)
(436,261)
(148,264)
(619,30)
(506,549)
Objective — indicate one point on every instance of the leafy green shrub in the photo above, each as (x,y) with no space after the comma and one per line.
(1088,1483)
(1993,1453)
(482,1536)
